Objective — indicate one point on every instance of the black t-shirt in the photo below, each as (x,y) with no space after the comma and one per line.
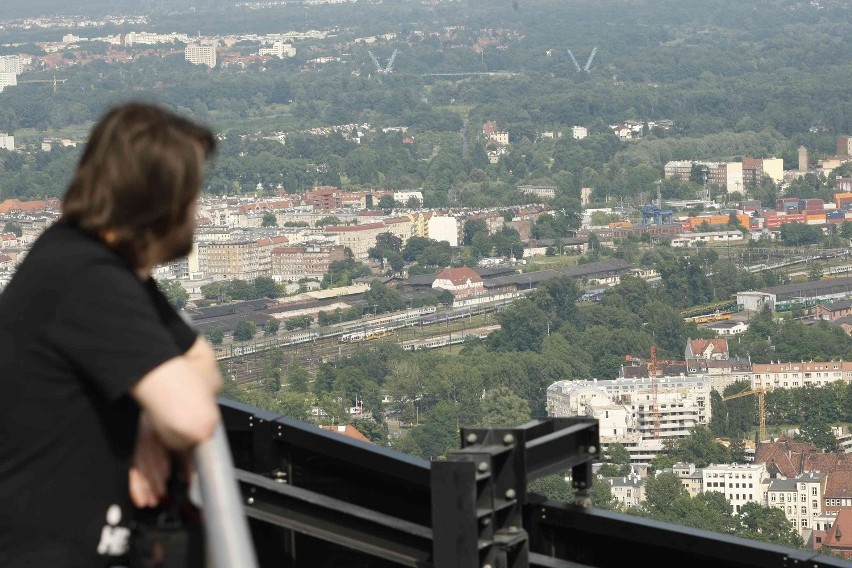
(78,329)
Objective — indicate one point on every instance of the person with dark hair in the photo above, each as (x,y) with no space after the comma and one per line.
(101,378)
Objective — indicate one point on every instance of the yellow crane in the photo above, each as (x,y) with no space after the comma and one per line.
(761,406)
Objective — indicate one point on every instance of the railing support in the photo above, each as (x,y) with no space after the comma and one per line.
(229,541)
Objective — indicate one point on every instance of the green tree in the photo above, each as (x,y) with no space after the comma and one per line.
(501,407)
(174,292)
(386,202)
(266,287)
(270,327)
(767,524)
(817,431)
(13,227)
(297,378)
(245,330)
(661,493)
(216,336)
(269,220)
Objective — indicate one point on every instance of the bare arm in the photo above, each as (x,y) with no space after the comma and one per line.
(179,397)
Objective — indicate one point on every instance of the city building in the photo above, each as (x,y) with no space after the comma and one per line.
(305,261)
(844,145)
(462,281)
(358,238)
(10,64)
(7,142)
(804,159)
(709,349)
(633,413)
(7,80)
(799,374)
(279,49)
(691,478)
(800,498)
(838,537)
(242,259)
(200,54)
(739,483)
(579,132)
(627,491)
(543,191)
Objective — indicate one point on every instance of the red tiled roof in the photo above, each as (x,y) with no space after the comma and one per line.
(11,205)
(839,484)
(784,454)
(459,276)
(827,462)
(840,533)
(347,430)
(719,345)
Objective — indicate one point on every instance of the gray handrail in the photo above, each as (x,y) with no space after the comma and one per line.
(229,543)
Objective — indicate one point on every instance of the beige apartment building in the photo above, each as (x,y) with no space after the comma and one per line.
(241,259)
(312,261)
(799,374)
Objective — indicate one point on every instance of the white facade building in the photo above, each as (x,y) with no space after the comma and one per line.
(739,483)
(800,498)
(7,80)
(10,64)
(279,49)
(626,411)
(199,54)
(7,142)
(579,132)
(444,229)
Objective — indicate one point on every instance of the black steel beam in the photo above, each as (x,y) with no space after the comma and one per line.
(607,539)
(336,521)
(571,443)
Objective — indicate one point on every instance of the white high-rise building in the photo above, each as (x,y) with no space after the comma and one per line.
(199,54)
(279,49)
(10,64)
(7,80)
(7,142)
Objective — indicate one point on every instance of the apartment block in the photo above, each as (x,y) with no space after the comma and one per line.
(739,483)
(628,491)
(242,259)
(200,54)
(309,260)
(800,498)
(627,413)
(844,145)
(358,238)
(10,64)
(799,374)
(7,142)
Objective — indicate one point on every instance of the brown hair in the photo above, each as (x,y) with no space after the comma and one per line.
(139,174)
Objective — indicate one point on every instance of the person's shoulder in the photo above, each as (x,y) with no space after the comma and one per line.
(68,248)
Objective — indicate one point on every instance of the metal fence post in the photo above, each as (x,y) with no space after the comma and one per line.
(229,542)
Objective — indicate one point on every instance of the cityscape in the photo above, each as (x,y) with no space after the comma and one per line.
(427,215)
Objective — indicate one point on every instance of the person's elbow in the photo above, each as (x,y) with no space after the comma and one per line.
(197,426)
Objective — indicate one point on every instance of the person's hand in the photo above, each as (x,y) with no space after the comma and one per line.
(151,467)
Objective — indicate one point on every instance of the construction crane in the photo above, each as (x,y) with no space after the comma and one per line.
(54,81)
(761,406)
(389,68)
(591,58)
(652,373)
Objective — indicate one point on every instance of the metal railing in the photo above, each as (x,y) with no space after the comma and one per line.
(318,498)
